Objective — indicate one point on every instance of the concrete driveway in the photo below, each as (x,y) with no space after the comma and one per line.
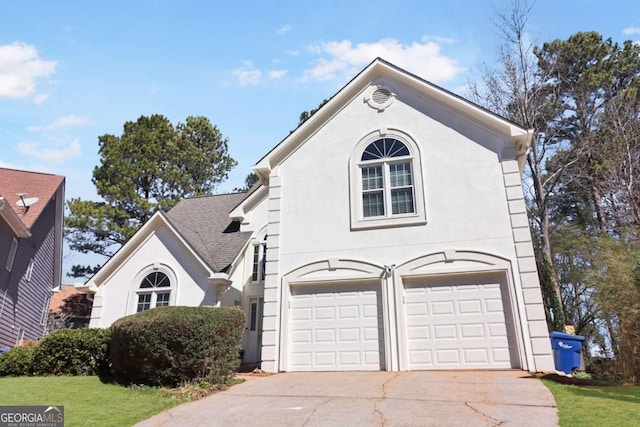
(434,398)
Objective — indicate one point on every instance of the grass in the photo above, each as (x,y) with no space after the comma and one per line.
(86,400)
(601,406)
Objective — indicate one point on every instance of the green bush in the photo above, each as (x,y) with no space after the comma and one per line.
(176,345)
(73,352)
(18,361)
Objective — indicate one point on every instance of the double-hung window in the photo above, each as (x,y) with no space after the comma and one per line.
(387,179)
(387,190)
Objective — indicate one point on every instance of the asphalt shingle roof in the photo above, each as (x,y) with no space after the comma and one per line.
(204,222)
(35,184)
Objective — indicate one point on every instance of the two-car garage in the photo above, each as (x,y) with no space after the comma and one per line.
(460,322)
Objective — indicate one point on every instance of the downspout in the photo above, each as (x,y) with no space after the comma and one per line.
(389,305)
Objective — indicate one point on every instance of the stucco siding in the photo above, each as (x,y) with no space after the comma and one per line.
(462,181)
(162,248)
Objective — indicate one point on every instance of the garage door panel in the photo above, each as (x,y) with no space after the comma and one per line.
(343,331)
(456,325)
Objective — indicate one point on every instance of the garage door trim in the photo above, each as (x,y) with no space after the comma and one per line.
(331,272)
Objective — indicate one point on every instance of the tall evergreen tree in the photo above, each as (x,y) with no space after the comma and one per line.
(147,168)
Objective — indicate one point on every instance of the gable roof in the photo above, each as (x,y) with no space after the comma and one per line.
(35,184)
(379,68)
(204,222)
(201,224)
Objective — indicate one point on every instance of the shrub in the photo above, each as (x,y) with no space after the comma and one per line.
(176,345)
(73,352)
(18,361)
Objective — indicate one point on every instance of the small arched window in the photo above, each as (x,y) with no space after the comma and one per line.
(386,185)
(154,291)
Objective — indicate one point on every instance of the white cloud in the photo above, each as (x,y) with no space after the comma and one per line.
(284,29)
(52,155)
(276,74)
(65,121)
(20,66)
(40,98)
(4,164)
(631,30)
(247,75)
(345,60)
(293,52)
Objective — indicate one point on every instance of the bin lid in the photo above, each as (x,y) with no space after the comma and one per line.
(565,336)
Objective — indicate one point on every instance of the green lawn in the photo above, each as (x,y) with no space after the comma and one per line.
(87,401)
(601,406)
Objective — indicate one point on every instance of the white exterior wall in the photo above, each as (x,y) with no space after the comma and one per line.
(191,287)
(464,196)
(465,199)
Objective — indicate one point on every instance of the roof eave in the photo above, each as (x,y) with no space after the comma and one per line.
(119,258)
(520,136)
(13,220)
(239,212)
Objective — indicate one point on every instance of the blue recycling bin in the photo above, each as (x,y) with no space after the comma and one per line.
(567,351)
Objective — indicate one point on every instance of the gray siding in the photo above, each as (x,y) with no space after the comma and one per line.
(22,302)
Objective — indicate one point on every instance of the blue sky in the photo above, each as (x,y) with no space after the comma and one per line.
(71,71)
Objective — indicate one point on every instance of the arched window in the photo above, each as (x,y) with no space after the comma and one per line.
(386,187)
(387,180)
(154,291)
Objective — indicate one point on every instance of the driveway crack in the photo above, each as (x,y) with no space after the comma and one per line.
(377,412)
(315,409)
(495,421)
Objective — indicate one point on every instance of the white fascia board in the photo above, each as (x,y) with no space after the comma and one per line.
(240,211)
(272,159)
(89,289)
(13,220)
(379,68)
(131,246)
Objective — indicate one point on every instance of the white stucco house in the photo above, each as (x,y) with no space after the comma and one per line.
(395,233)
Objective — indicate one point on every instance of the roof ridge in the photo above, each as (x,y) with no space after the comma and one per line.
(32,172)
(203,196)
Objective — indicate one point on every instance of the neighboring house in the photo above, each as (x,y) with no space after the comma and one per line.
(395,233)
(31,214)
(69,308)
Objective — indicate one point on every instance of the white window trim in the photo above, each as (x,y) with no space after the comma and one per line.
(358,221)
(45,311)
(12,254)
(136,290)
(29,272)
(20,337)
(261,246)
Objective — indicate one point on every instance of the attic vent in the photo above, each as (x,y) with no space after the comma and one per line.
(381,95)
(380,99)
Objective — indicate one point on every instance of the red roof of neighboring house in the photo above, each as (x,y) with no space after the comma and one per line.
(58,297)
(34,184)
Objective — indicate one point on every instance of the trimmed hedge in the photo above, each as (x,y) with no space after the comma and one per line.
(175,345)
(18,361)
(73,352)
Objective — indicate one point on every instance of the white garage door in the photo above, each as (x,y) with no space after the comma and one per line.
(457,324)
(335,328)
